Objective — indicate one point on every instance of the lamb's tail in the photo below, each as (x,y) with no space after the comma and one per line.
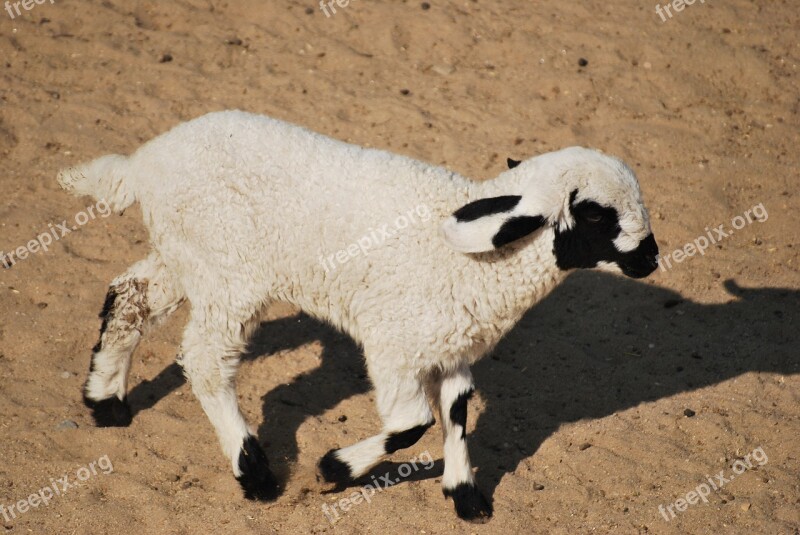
(107,178)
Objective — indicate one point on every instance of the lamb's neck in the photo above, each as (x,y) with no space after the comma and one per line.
(511,281)
(540,273)
(507,283)
(507,183)
(527,270)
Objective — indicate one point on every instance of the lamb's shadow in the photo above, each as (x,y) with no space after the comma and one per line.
(600,344)
(341,374)
(597,345)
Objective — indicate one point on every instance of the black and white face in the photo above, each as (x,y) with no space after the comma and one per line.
(596,239)
(591,201)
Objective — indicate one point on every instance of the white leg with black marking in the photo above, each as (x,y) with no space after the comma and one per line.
(406,415)
(458,480)
(210,358)
(135,300)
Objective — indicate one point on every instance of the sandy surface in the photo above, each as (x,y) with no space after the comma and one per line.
(581,420)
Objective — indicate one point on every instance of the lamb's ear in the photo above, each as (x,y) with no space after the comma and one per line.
(512,163)
(486,224)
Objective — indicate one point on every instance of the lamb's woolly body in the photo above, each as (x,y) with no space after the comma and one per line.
(244,210)
(242,207)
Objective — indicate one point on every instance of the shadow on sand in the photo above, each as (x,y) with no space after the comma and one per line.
(597,345)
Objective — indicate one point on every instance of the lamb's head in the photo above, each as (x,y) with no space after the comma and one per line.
(592,202)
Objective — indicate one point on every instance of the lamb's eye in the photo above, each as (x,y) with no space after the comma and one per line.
(593,218)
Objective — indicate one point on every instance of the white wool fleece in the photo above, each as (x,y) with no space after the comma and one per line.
(241,207)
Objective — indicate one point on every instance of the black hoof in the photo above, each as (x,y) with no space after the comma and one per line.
(111,412)
(333,470)
(257,480)
(470,503)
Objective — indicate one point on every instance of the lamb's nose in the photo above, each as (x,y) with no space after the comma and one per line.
(649,247)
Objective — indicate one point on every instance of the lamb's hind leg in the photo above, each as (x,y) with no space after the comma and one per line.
(406,415)
(136,299)
(210,352)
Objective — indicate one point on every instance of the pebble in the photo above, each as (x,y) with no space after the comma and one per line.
(538,486)
(66,424)
(444,70)
(688,413)
(647,65)
(745,506)
(585,446)
(583,62)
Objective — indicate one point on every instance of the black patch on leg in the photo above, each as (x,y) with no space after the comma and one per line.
(257,479)
(512,163)
(405,439)
(105,315)
(470,503)
(111,412)
(458,411)
(334,470)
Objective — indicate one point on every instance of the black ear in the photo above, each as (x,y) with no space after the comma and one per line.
(488,206)
(486,224)
(516,228)
(512,163)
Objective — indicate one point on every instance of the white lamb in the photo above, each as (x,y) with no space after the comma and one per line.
(244,210)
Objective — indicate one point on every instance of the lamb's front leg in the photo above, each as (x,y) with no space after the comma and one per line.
(210,358)
(458,481)
(406,415)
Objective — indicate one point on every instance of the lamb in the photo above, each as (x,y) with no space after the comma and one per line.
(240,210)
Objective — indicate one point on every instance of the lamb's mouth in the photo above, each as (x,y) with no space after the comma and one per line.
(639,271)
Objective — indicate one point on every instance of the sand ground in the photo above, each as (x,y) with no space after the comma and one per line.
(610,398)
